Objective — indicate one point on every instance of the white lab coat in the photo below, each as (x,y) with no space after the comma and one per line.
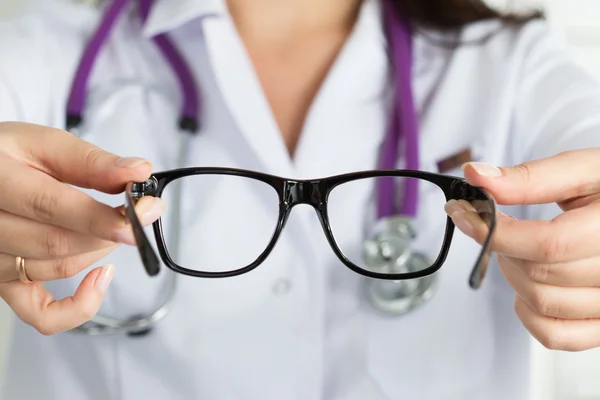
(298,327)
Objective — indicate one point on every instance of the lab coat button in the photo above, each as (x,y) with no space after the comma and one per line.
(282,286)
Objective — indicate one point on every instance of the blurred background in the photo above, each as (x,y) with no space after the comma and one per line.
(558,376)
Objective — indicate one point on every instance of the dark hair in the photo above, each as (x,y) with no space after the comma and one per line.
(451,14)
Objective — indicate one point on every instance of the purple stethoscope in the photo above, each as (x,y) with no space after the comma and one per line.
(394,217)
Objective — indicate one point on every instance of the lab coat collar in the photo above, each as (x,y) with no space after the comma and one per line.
(167,15)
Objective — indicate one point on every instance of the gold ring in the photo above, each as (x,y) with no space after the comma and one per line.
(21,270)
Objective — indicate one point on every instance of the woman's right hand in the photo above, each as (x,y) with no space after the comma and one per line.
(56,228)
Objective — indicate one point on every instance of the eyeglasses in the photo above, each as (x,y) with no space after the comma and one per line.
(252,228)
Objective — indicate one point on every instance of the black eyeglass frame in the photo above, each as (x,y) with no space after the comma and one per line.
(314,192)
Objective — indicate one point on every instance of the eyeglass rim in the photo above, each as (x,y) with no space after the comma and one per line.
(454,188)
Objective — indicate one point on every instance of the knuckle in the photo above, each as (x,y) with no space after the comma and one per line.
(92,156)
(552,339)
(55,243)
(46,332)
(525,172)
(549,332)
(91,159)
(43,205)
(86,311)
(44,327)
(542,304)
(538,272)
(554,248)
(94,225)
(65,268)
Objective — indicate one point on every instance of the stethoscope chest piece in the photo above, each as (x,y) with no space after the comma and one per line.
(389,250)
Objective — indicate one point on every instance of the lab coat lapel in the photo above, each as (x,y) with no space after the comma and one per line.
(243,96)
(345,125)
(346,122)
(233,73)
(242,93)
(166,15)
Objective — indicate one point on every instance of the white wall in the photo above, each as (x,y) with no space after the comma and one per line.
(558,376)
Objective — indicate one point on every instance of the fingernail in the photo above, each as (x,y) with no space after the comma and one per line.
(156,210)
(147,216)
(106,276)
(454,207)
(486,169)
(125,236)
(461,220)
(130,162)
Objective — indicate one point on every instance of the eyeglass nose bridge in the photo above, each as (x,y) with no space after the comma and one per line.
(304,192)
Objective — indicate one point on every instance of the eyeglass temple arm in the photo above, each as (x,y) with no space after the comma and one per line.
(485,206)
(133,193)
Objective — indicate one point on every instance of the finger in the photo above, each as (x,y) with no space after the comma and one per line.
(559,178)
(72,160)
(552,301)
(32,239)
(559,334)
(568,237)
(38,308)
(48,270)
(579,273)
(39,197)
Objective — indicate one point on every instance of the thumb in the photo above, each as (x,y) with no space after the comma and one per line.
(74,161)
(36,306)
(554,179)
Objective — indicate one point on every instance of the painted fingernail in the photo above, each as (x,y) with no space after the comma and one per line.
(462,222)
(105,277)
(156,210)
(486,169)
(130,162)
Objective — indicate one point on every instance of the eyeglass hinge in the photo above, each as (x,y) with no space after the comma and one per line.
(147,188)
(462,190)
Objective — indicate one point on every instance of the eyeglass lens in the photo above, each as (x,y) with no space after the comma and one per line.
(245,226)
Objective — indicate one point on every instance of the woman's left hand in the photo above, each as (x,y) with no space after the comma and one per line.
(553,266)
